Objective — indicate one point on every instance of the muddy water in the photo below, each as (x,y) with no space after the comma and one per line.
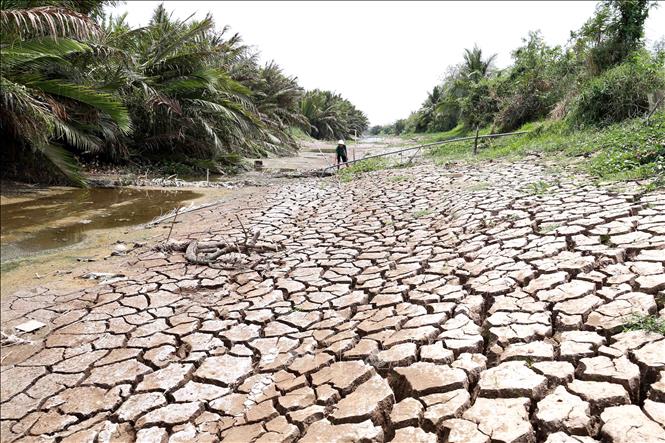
(54,221)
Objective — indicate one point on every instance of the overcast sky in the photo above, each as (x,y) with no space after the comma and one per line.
(383,56)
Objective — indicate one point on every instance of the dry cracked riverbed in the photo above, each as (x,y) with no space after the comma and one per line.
(459,304)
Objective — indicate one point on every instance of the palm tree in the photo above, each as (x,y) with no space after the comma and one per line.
(277,100)
(177,86)
(48,105)
(428,109)
(331,116)
(474,67)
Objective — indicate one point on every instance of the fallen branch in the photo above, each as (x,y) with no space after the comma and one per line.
(209,252)
(244,231)
(213,246)
(168,237)
(190,252)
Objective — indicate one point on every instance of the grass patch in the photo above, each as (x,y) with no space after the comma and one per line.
(422,213)
(369,165)
(658,183)
(399,178)
(649,323)
(624,151)
(538,188)
(9,266)
(549,228)
(480,186)
(361,167)
(457,131)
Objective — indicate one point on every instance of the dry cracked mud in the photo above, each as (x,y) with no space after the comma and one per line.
(453,305)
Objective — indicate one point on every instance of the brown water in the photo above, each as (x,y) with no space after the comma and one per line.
(63,219)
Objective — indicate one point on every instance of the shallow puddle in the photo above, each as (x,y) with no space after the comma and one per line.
(53,221)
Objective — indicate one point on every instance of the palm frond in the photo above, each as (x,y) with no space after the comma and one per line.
(101,101)
(64,161)
(76,138)
(42,50)
(47,21)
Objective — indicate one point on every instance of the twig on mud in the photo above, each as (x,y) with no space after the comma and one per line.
(168,237)
(177,211)
(244,231)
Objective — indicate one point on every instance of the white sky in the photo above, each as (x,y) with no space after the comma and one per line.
(383,56)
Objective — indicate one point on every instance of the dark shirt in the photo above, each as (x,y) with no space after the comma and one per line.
(341,150)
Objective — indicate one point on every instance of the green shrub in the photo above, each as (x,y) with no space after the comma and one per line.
(538,79)
(618,93)
(630,151)
(480,104)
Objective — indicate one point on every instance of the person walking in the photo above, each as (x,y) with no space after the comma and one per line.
(341,153)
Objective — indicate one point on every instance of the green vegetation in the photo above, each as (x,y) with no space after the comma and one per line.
(628,150)
(369,165)
(549,228)
(399,178)
(79,87)
(587,98)
(373,164)
(422,213)
(619,93)
(538,188)
(456,132)
(331,116)
(648,323)
(657,183)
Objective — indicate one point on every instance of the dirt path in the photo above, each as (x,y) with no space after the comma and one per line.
(318,154)
(465,304)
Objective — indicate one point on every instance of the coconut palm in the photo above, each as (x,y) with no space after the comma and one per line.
(176,84)
(48,104)
(474,66)
(331,116)
(188,91)
(277,100)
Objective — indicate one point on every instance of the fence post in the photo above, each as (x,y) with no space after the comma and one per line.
(475,141)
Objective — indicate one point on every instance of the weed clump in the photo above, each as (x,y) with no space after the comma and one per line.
(648,323)
(371,164)
(422,213)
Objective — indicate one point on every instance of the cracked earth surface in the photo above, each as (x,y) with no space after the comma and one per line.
(449,305)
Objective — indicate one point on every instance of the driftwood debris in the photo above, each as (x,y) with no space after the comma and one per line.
(209,252)
(12,339)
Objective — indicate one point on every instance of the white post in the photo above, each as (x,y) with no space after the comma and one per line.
(355,132)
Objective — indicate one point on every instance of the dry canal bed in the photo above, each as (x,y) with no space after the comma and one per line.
(483,303)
